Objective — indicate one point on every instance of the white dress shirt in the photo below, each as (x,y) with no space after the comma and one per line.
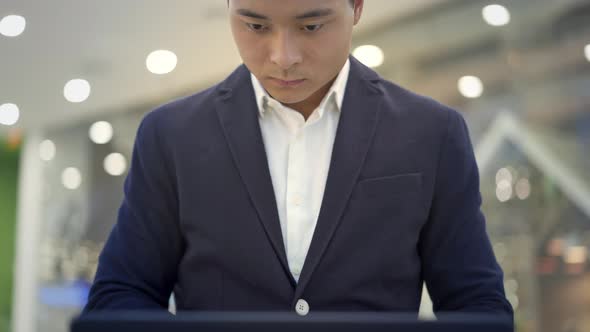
(299,154)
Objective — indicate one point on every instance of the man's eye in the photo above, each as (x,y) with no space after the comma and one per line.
(312,27)
(256,27)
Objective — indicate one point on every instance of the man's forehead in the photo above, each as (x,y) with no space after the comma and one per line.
(299,9)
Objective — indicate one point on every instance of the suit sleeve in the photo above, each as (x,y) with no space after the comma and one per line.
(137,267)
(458,263)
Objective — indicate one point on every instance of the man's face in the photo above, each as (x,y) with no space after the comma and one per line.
(294,47)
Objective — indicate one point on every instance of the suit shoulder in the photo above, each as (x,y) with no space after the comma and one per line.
(173,117)
(419,108)
(185,106)
(413,102)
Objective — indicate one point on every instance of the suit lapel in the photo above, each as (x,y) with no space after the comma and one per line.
(238,114)
(353,138)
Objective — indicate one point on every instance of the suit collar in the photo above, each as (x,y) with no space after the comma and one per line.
(356,128)
(238,115)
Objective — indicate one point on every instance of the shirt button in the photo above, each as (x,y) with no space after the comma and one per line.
(302,308)
(297,200)
(296,271)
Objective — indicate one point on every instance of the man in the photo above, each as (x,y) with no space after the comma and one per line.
(304,182)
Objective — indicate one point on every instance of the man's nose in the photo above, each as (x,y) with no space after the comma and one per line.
(285,51)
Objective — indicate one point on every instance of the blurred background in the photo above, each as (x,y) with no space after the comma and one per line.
(76,77)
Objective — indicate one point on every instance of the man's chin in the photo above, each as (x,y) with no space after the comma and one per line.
(288,99)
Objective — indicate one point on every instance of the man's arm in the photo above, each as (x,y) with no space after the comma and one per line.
(459,266)
(137,267)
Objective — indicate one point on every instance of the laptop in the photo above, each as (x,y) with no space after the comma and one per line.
(286,322)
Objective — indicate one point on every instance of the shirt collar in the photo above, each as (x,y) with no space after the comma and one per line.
(263,99)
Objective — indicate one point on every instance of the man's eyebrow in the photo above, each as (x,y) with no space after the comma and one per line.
(249,13)
(315,13)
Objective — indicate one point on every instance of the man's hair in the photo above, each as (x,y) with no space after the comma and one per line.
(351,2)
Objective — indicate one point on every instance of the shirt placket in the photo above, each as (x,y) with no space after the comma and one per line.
(295,197)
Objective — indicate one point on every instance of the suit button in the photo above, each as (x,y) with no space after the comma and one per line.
(302,308)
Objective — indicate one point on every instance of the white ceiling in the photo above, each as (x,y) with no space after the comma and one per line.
(106,42)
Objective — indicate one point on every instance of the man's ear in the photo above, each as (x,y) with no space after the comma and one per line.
(358,10)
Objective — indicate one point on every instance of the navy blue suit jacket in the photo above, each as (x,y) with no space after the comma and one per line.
(401,206)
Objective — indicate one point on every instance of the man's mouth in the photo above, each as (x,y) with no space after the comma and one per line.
(286,83)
